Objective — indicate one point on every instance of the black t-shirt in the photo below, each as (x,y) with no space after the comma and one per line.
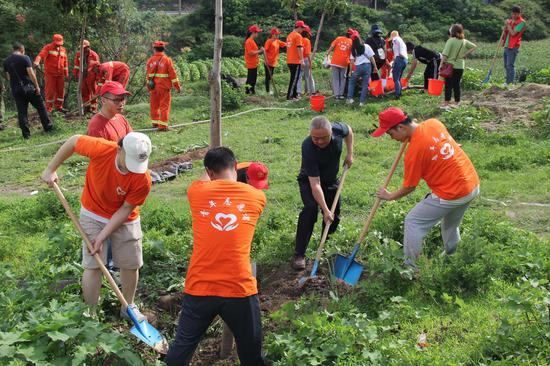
(323,163)
(17,63)
(424,55)
(378,45)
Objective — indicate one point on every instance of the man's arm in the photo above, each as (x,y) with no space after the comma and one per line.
(349,147)
(116,221)
(301,54)
(391,196)
(32,75)
(330,50)
(319,196)
(49,175)
(414,63)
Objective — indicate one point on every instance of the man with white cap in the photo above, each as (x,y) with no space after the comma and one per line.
(117,183)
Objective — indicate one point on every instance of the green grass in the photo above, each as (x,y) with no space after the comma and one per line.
(459,301)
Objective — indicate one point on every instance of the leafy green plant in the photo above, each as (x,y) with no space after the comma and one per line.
(231,98)
(541,128)
(464,123)
(504,162)
(472,78)
(541,76)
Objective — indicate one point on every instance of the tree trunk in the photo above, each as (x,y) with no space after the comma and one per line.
(215,80)
(2,105)
(317,35)
(81,67)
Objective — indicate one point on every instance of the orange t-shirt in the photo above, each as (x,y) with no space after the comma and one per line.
(433,155)
(224,219)
(251,61)
(293,41)
(307,46)
(342,50)
(106,188)
(272,50)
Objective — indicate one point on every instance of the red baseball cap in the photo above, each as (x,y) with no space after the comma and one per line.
(307,29)
(275,31)
(58,39)
(355,34)
(113,87)
(257,175)
(159,44)
(389,118)
(299,24)
(254,29)
(351,31)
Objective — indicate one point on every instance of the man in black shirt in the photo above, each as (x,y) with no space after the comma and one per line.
(25,89)
(317,180)
(378,45)
(428,57)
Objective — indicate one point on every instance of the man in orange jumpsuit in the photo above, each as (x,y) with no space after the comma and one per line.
(161,77)
(110,71)
(89,84)
(56,69)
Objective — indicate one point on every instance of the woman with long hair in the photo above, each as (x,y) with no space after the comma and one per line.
(305,71)
(252,58)
(455,51)
(362,56)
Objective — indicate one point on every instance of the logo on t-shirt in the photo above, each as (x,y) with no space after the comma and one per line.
(446,151)
(120,191)
(224,221)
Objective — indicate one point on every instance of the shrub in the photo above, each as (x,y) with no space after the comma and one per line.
(194,73)
(472,78)
(233,46)
(464,123)
(541,76)
(504,162)
(231,98)
(541,128)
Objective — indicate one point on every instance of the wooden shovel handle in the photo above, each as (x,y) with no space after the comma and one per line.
(332,210)
(76,223)
(377,201)
(496,51)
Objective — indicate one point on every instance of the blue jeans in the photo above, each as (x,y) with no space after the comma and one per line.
(399,65)
(510,55)
(363,71)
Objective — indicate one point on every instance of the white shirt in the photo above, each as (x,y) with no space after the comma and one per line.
(364,58)
(399,47)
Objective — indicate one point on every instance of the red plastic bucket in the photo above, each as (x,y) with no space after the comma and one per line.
(390,85)
(317,103)
(404,83)
(435,86)
(376,88)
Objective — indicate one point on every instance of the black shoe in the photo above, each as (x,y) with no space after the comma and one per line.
(26,137)
(48,129)
(2,127)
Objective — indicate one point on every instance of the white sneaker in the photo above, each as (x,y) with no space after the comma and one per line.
(361,104)
(271,92)
(349,101)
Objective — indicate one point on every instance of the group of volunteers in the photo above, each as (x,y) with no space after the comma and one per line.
(371,59)
(161,77)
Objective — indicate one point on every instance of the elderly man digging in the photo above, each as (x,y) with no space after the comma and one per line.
(432,155)
(317,180)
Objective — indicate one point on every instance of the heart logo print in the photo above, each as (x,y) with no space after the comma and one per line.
(224,222)
(120,191)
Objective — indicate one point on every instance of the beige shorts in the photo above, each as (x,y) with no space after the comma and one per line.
(125,244)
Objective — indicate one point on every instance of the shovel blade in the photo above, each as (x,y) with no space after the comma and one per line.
(487,78)
(346,271)
(147,333)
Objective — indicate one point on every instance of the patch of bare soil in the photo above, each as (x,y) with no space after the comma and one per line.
(192,155)
(512,105)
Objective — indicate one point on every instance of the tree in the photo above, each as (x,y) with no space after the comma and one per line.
(326,7)
(215,80)
(293,5)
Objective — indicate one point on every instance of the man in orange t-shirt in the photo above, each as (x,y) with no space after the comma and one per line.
(117,183)
(272,47)
(432,155)
(219,279)
(252,58)
(294,58)
(339,63)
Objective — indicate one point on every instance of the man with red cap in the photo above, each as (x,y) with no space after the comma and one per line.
(339,62)
(252,58)
(109,123)
(294,58)
(305,71)
(272,47)
(161,78)
(110,71)
(56,69)
(89,85)
(432,155)
(253,173)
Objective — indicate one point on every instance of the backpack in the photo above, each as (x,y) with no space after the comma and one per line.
(378,45)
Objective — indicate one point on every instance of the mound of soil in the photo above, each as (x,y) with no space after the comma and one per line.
(192,155)
(511,106)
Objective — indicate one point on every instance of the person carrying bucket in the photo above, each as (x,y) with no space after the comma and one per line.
(426,56)
(456,49)
(362,56)
(432,155)
(318,181)
(252,58)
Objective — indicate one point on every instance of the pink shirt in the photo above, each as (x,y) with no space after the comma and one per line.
(112,129)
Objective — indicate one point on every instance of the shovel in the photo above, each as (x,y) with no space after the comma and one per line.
(346,268)
(313,273)
(271,76)
(488,77)
(141,329)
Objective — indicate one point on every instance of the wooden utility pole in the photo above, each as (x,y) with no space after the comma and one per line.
(179,6)
(81,66)
(215,80)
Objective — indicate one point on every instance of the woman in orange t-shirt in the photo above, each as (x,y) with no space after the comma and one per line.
(272,47)
(339,63)
(252,58)
(305,71)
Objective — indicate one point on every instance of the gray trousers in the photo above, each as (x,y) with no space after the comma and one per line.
(428,213)
(307,76)
(338,80)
